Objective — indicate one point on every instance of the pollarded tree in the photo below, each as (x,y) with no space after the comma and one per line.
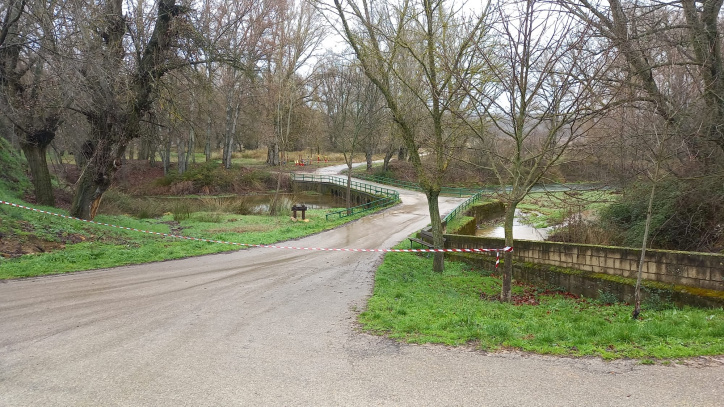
(29,84)
(414,52)
(541,100)
(113,94)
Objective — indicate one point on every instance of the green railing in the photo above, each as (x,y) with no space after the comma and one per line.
(462,207)
(379,203)
(385,196)
(459,192)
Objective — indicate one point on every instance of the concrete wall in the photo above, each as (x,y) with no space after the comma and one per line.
(593,285)
(477,214)
(484,212)
(699,270)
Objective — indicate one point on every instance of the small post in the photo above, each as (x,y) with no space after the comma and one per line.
(296,208)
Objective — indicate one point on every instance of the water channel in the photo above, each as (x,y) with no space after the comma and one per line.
(520,230)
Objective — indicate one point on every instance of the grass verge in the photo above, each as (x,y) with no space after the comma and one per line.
(65,245)
(456,307)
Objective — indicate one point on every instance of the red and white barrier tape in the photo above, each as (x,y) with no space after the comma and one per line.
(497,251)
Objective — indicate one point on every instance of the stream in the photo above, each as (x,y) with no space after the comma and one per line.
(520,230)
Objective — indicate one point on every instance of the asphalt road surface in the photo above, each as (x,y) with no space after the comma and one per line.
(277,327)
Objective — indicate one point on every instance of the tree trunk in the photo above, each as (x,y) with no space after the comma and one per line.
(232,117)
(272,157)
(96,178)
(190,151)
(167,156)
(209,136)
(402,154)
(35,147)
(506,293)
(438,264)
(144,149)
(349,187)
(637,290)
(181,153)
(386,161)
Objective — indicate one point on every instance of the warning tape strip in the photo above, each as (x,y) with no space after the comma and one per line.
(497,251)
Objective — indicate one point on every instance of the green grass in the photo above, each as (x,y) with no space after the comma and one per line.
(413,304)
(89,246)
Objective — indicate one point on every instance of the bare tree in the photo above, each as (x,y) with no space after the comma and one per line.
(296,38)
(656,36)
(354,111)
(114,96)
(539,100)
(411,50)
(29,85)
(297,35)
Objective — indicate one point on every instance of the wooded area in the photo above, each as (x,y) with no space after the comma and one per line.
(628,92)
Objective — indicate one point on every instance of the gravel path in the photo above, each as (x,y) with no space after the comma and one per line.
(277,327)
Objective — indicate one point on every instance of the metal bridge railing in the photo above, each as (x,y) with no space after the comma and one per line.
(459,192)
(462,207)
(386,196)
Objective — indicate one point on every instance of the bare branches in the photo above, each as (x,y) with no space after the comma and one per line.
(655,37)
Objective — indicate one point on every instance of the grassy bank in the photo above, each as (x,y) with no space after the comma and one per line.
(456,307)
(60,245)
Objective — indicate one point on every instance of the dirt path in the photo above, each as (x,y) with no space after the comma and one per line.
(277,327)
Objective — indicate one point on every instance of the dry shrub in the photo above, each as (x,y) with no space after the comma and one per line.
(584,232)
(182,188)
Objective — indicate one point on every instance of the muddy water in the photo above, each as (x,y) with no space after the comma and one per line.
(520,230)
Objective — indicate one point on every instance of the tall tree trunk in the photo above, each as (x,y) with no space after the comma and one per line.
(152,155)
(438,263)
(181,153)
(35,147)
(144,149)
(368,158)
(349,186)
(167,155)
(639,273)
(209,136)
(232,117)
(506,294)
(190,151)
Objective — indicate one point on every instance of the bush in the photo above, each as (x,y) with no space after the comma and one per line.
(686,215)
(181,211)
(209,177)
(212,178)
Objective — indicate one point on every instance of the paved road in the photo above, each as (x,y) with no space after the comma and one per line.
(277,327)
